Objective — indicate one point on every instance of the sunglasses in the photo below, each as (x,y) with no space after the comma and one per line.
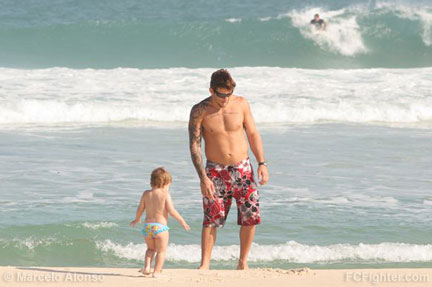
(220,95)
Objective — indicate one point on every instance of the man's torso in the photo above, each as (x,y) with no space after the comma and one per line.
(317,23)
(223,133)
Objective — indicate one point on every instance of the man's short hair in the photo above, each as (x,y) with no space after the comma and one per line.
(222,79)
(316,15)
(160,177)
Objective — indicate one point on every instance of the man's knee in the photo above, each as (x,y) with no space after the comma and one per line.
(209,228)
(209,231)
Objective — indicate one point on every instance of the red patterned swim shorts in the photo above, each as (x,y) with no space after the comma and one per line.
(232,181)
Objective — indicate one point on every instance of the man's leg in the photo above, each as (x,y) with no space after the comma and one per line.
(248,215)
(208,238)
(246,238)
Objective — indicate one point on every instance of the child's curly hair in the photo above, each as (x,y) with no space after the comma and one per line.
(160,177)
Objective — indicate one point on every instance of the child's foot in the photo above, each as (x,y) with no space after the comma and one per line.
(147,270)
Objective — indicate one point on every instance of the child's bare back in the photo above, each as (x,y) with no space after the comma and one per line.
(157,205)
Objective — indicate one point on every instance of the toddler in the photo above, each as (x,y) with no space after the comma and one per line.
(158,205)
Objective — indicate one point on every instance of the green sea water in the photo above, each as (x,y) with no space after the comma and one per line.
(343,201)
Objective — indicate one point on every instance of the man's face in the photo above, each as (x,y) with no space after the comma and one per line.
(221,96)
(316,17)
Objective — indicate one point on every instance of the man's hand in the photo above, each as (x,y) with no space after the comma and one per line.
(263,175)
(207,188)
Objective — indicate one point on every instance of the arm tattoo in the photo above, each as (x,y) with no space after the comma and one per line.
(195,137)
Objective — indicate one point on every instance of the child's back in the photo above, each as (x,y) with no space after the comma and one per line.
(155,201)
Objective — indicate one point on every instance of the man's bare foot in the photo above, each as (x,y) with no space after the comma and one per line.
(156,274)
(242,265)
(204,267)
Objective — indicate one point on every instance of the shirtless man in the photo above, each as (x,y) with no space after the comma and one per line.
(319,23)
(222,120)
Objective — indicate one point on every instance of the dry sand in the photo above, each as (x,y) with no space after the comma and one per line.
(260,277)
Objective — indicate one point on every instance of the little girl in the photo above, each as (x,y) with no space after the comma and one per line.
(158,205)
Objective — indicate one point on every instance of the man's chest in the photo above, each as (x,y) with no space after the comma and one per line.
(223,121)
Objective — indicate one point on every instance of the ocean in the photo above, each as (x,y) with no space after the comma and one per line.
(95,95)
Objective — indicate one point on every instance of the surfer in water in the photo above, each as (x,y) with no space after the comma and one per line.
(320,24)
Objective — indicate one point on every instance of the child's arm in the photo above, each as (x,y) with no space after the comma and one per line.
(174,213)
(139,212)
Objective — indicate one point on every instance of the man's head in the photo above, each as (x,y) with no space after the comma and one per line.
(160,178)
(221,87)
(316,17)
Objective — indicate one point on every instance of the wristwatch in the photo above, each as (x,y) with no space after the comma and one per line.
(264,163)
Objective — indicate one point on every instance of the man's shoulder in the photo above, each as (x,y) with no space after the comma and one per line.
(203,104)
(242,101)
(199,109)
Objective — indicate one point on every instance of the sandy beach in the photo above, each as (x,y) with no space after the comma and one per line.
(89,276)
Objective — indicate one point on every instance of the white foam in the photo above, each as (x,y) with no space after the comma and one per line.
(65,96)
(265,19)
(99,225)
(31,243)
(342,34)
(353,200)
(427,201)
(291,251)
(81,197)
(233,20)
(414,13)
(8,203)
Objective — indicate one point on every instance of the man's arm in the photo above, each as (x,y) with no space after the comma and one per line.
(255,141)
(252,133)
(195,138)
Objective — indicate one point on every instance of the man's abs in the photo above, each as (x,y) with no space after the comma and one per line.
(223,133)
(226,148)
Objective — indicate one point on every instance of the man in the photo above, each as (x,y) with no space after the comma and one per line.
(320,24)
(222,120)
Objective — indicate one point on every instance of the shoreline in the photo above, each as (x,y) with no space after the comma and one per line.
(299,277)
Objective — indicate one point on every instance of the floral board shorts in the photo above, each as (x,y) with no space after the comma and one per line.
(232,181)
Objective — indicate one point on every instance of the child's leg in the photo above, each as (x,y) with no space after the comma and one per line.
(161,242)
(151,250)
